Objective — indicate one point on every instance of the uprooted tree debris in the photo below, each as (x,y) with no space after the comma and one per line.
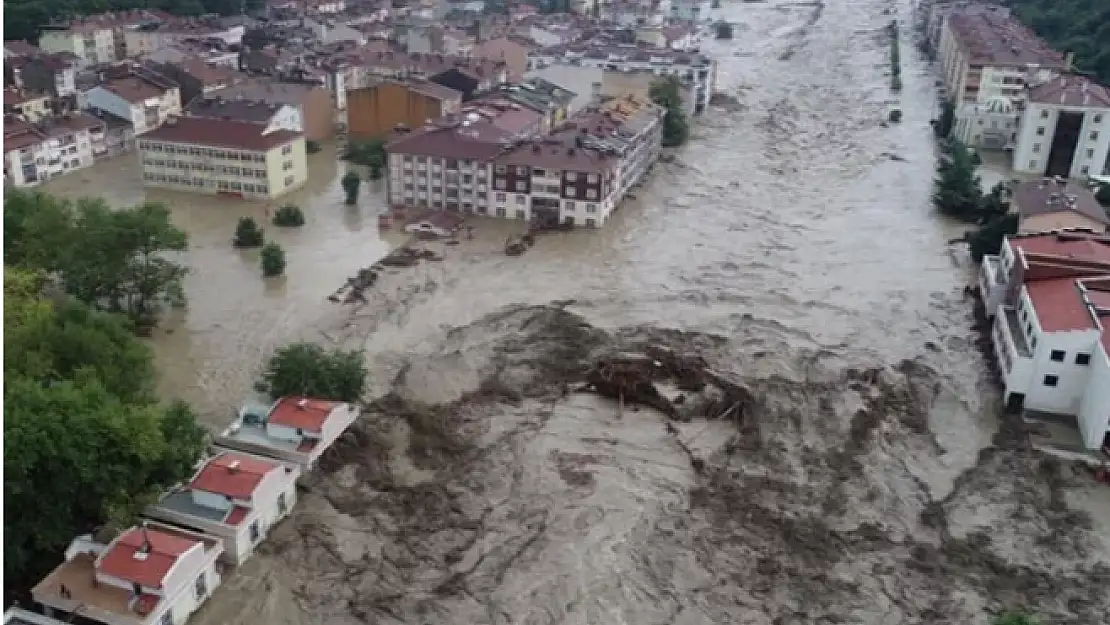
(681,386)
(354,290)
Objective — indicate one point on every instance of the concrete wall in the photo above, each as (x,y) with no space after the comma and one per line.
(1038,127)
(375,111)
(1094,411)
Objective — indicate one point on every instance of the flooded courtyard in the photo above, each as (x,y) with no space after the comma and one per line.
(791,244)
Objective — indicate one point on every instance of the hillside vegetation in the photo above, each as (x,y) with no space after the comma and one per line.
(1079,26)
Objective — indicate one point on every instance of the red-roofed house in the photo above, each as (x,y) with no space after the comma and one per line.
(1053,298)
(236,497)
(149,575)
(293,429)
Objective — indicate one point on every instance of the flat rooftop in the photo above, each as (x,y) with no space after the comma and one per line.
(255,434)
(182,502)
(78,576)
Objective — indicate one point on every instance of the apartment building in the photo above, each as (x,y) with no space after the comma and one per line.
(99,38)
(236,497)
(35,153)
(513,51)
(987,59)
(223,157)
(270,116)
(1053,294)
(1065,130)
(28,105)
(548,99)
(624,61)
(378,110)
(313,102)
(152,574)
(51,74)
(576,175)
(197,77)
(142,97)
(146,38)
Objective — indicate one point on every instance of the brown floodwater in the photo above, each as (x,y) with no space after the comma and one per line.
(798,231)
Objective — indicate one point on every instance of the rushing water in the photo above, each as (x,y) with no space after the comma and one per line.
(798,226)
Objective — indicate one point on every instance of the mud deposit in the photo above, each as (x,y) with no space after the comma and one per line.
(511,501)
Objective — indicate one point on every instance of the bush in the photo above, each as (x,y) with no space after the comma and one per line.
(248,234)
(351,183)
(895,116)
(307,370)
(289,216)
(273,260)
(1103,195)
(312,147)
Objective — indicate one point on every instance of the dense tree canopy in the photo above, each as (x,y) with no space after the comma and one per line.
(667,92)
(23,18)
(309,370)
(85,442)
(117,260)
(1079,26)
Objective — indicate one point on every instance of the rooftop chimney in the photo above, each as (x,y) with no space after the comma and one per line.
(302,403)
(144,548)
(233,467)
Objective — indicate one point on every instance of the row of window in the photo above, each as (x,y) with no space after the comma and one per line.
(1093,136)
(590,194)
(221,185)
(220,169)
(1037,150)
(1097,119)
(171,148)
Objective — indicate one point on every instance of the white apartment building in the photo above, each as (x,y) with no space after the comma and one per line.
(236,497)
(98,38)
(145,99)
(1053,294)
(292,429)
(36,153)
(149,575)
(1065,130)
(697,70)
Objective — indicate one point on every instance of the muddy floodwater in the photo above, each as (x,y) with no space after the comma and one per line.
(792,245)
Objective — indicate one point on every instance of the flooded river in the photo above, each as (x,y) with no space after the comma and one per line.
(787,246)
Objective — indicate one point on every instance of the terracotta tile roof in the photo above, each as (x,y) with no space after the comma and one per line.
(165,550)
(254,111)
(232,475)
(479,141)
(1059,305)
(1071,90)
(994,38)
(307,445)
(1078,245)
(220,133)
(209,74)
(301,413)
(236,516)
(15,97)
(134,89)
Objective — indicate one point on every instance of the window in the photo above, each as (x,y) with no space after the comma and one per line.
(1097,119)
(287,165)
(520,185)
(167,618)
(500,212)
(1051,380)
(1032,164)
(591,208)
(256,532)
(1094,135)
(520,214)
(500,169)
(1090,153)
(1083,359)
(521,170)
(571,176)
(499,184)
(591,178)
(286,150)
(1044,113)
(1040,131)
(289,180)
(570,191)
(201,586)
(591,223)
(1036,148)
(1084,170)
(500,197)
(520,199)
(539,172)
(1057,355)
(591,194)
(570,206)
(452,164)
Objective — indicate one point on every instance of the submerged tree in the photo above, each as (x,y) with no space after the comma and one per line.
(943,126)
(667,93)
(248,234)
(1016,618)
(308,370)
(85,442)
(115,259)
(1103,196)
(351,183)
(273,260)
(957,189)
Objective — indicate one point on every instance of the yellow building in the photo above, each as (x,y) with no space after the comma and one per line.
(223,157)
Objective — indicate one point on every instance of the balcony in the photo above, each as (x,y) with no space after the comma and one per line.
(1014,334)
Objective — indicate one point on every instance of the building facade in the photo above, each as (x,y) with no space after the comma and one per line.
(377,110)
(143,98)
(223,157)
(1065,130)
(35,153)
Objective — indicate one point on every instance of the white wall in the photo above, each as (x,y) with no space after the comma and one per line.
(1094,412)
(287,118)
(1027,159)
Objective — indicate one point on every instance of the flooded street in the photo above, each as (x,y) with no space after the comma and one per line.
(788,248)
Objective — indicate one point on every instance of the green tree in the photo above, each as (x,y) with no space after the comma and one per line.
(367,153)
(351,183)
(289,216)
(273,260)
(1103,195)
(989,237)
(1055,21)
(957,190)
(84,441)
(118,260)
(1016,618)
(943,126)
(308,370)
(248,234)
(667,93)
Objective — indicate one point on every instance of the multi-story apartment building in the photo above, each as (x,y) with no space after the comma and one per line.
(223,157)
(52,74)
(987,59)
(313,102)
(34,153)
(143,97)
(146,38)
(697,71)
(577,175)
(28,105)
(98,38)
(269,115)
(1050,293)
(1065,130)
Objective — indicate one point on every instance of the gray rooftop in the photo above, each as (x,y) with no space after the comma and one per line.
(182,502)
